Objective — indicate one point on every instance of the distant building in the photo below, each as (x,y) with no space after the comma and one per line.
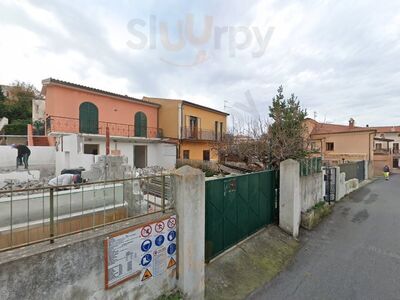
(387,141)
(88,113)
(197,129)
(341,143)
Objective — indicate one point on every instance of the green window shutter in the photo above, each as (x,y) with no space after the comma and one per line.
(140,124)
(88,118)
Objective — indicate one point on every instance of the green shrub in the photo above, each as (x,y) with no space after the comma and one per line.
(15,129)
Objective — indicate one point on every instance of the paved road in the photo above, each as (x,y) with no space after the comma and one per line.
(354,254)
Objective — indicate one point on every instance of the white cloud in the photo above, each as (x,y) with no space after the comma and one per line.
(339,58)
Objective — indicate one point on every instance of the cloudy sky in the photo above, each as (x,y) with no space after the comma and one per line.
(341,58)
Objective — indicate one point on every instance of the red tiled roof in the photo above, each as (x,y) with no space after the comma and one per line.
(48,81)
(323,128)
(387,129)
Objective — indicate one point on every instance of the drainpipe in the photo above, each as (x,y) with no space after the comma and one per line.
(180,117)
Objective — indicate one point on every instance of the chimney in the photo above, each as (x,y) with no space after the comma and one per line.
(351,123)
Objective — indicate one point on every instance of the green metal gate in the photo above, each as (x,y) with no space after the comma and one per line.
(238,206)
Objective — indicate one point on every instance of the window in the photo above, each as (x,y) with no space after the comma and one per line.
(88,118)
(140,156)
(193,127)
(330,146)
(186,154)
(378,146)
(396,146)
(221,127)
(140,124)
(206,155)
(91,149)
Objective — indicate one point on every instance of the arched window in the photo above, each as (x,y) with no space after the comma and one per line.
(140,124)
(88,118)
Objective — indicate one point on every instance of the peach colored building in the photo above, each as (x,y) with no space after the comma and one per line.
(88,112)
(341,143)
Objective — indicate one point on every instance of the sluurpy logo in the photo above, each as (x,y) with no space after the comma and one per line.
(183,36)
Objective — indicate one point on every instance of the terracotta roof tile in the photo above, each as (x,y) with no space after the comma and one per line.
(386,129)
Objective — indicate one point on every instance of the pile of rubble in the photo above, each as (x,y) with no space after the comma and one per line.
(9,185)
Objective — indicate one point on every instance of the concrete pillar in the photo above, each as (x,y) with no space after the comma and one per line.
(366,169)
(338,186)
(289,197)
(189,191)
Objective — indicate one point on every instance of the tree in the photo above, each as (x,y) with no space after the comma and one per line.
(18,106)
(2,96)
(287,136)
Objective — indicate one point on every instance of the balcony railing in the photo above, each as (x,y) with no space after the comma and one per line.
(194,133)
(382,151)
(71,125)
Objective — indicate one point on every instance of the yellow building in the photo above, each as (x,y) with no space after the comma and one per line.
(198,130)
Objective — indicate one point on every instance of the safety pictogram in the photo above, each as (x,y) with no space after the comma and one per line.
(147,274)
(146,231)
(146,245)
(146,260)
(171,235)
(171,222)
(159,240)
(171,263)
(159,227)
(171,249)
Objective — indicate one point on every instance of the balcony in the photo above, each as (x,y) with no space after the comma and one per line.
(198,134)
(71,125)
(381,151)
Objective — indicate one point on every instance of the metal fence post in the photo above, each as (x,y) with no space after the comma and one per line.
(163,193)
(51,215)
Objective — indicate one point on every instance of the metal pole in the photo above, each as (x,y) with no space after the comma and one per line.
(11,216)
(51,215)
(163,193)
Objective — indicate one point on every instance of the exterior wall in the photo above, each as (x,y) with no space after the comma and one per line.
(196,150)
(350,146)
(207,118)
(14,139)
(380,161)
(311,190)
(163,155)
(65,102)
(73,268)
(168,116)
(158,154)
(40,156)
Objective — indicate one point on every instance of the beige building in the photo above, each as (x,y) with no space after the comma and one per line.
(341,143)
(387,141)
